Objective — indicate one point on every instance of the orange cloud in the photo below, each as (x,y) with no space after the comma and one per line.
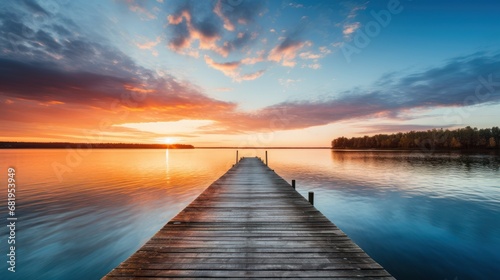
(254,60)
(251,76)
(139,90)
(229,69)
(286,52)
(176,19)
(149,44)
(55,102)
(228,25)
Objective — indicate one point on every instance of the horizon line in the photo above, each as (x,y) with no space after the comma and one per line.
(159,145)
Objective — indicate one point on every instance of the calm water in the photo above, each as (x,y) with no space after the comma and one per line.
(422,216)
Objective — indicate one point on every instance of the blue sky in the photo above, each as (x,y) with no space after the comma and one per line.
(245,73)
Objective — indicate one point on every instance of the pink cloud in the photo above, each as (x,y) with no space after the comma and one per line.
(251,76)
(228,25)
(286,52)
(148,44)
(229,69)
(350,28)
(254,60)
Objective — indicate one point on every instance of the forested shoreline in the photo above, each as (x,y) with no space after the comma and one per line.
(467,138)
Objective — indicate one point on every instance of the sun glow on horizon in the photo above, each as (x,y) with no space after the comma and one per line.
(169,140)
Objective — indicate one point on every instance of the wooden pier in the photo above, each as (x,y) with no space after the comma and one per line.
(250,223)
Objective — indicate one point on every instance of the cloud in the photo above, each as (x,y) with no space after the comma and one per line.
(224,89)
(252,60)
(462,81)
(286,52)
(183,127)
(38,95)
(49,85)
(148,44)
(213,25)
(349,25)
(236,13)
(187,27)
(228,25)
(288,82)
(295,5)
(231,69)
(222,28)
(181,38)
(350,28)
(250,76)
(315,57)
(55,76)
(140,8)
(309,55)
(314,66)
(240,42)
(354,11)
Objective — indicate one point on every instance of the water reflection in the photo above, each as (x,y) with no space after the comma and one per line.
(423,216)
(103,210)
(167,165)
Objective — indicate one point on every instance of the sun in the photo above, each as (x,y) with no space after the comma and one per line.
(169,140)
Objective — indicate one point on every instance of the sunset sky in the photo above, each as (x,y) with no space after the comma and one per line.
(245,73)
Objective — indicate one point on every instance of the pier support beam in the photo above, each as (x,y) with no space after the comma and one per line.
(311,198)
(293,184)
(266,158)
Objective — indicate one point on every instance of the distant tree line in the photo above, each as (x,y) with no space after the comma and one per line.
(63,145)
(462,138)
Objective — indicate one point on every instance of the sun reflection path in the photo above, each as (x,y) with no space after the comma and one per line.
(167,165)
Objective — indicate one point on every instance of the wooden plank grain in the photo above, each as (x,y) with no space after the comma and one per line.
(250,223)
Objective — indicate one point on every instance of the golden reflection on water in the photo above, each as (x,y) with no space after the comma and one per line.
(109,201)
(167,165)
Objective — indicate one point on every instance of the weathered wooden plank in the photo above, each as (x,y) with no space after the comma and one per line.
(346,255)
(166,258)
(249,224)
(215,272)
(342,241)
(249,266)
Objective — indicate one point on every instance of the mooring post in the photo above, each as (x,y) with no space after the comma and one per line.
(311,198)
(266,158)
(293,184)
(236,156)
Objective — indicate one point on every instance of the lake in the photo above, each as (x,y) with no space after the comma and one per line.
(420,215)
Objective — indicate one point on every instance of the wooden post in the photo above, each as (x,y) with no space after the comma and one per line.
(236,156)
(311,198)
(293,184)
(266,158)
